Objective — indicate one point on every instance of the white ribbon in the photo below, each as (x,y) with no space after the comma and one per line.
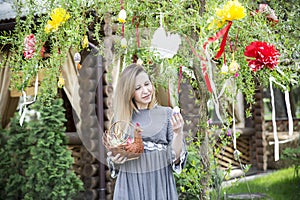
(290,119)
(215,97)
(22,111)
(233,126)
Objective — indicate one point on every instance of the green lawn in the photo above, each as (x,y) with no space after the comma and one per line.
(279,185)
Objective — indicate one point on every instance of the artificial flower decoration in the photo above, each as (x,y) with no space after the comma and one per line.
(58,17)
(29,46)
(233,67)
(224,69)
(139,62)
(232,10)
(61,81)
(123,43)
(261,54)
(269,12)
(122,16)
(85,42)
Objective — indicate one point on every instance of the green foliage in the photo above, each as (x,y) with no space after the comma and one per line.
(292,155)
(202,171)
(188,181)
(278,185)
(191,19)
(36,163)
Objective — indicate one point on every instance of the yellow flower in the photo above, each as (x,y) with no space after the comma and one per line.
(85,41)
(61,81)
(58,17)
(215,24)
(122,16)
(232,10)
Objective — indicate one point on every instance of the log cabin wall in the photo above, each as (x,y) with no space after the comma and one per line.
(283,137)
(259,138)
(108,93)
(190,110)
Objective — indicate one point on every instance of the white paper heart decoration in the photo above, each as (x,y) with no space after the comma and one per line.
(165,44)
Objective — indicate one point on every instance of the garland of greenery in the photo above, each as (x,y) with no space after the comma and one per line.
(188,18)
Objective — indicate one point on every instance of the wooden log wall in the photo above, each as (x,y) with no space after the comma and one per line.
(282,125)
(189,108)
(108,93)
(226,158)
(259,138)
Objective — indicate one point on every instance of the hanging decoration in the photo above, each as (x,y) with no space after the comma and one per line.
(261,54)
(61,81)
(85,42)
(122,19)
(232,10)
(77,59)
(26,101)
(268,12)
(58,17)
(29,46)
(165,44)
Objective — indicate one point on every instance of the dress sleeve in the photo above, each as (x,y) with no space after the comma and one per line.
(176,166)
(113,168)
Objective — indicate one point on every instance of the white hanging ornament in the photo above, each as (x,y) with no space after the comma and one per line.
(234,67)
(139,62)
(165,43)
(122,16)
(77,59)
(224,69)
(124,43)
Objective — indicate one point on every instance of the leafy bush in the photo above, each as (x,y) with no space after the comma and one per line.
(36,163)
(293,155)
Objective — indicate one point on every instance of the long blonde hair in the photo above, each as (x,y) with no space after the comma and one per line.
(123,102)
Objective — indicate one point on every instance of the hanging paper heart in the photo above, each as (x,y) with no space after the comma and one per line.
(165,43)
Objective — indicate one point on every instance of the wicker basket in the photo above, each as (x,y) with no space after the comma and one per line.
(120,142)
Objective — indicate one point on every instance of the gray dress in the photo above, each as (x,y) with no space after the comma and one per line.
(150,177)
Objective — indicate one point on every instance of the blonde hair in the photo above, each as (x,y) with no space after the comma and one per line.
(123,103)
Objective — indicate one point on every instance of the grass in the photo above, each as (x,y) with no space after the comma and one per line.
(279,185)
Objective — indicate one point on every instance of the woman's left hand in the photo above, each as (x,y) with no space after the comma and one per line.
(177,123)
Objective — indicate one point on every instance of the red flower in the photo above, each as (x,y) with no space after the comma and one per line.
(264,54)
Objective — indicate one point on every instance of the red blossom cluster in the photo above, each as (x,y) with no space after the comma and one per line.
(264,54)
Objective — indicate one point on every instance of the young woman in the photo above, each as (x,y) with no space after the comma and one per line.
(151,175)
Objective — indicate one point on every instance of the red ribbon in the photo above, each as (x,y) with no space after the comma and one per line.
(137,35)
(222,33)
(203,64)
(179,79)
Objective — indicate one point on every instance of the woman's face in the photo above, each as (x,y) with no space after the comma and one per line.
(143,90)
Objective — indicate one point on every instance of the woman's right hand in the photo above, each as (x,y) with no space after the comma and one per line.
(117,159)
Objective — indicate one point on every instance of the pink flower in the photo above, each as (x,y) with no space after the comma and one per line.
(261,54)
(270,14)
(29,46)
